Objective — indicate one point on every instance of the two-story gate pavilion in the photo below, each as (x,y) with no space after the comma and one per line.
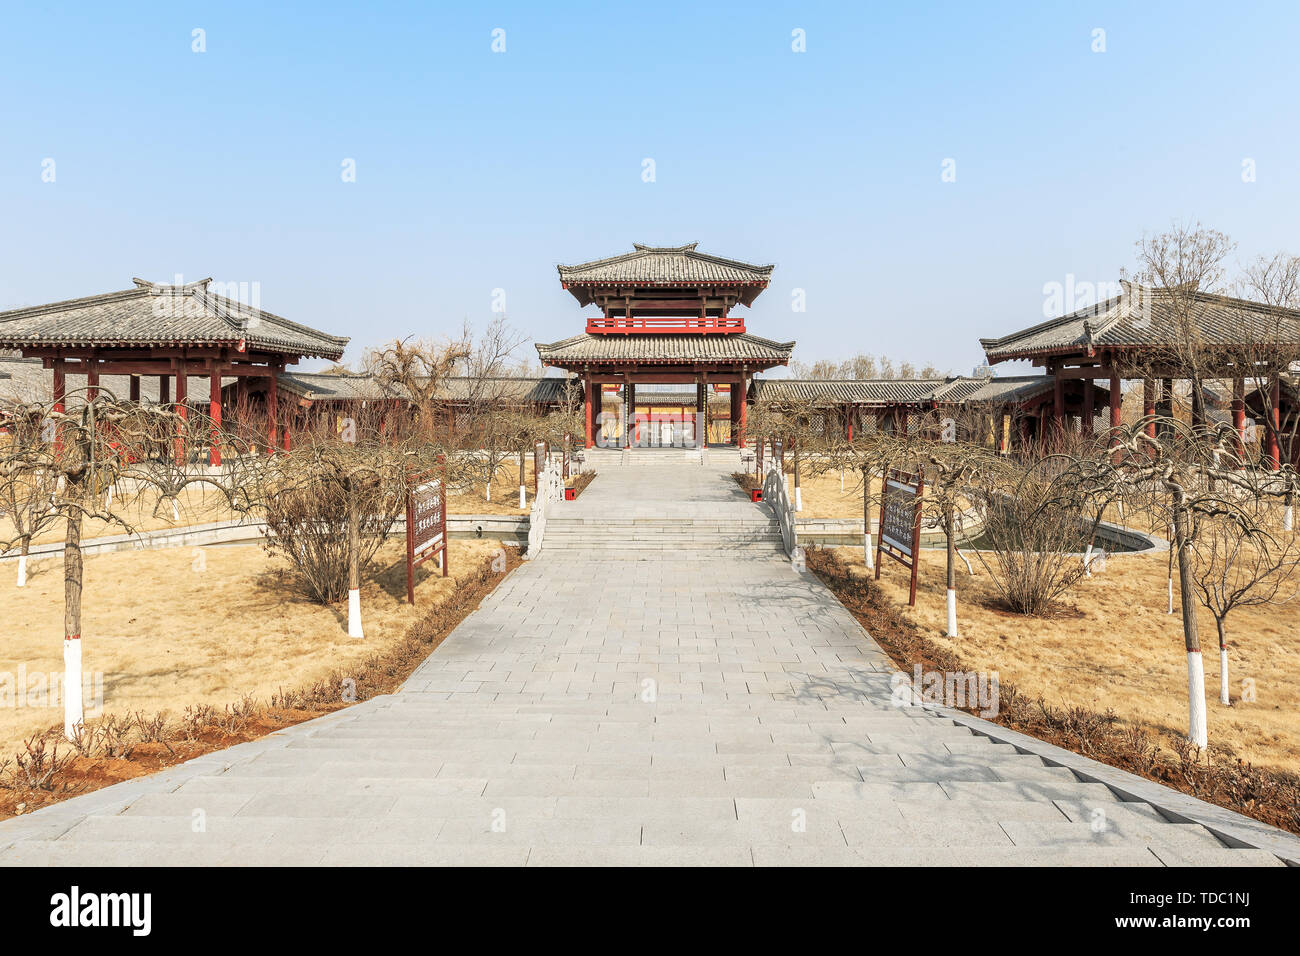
(665,319)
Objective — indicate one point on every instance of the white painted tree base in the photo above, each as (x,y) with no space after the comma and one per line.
(22,570)
(523,498)
(72,712)
(868,552)
(1197,730)
(354,613)
(952,612)
(1288,518)
(798,499)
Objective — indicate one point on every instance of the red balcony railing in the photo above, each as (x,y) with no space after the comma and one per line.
(616,325)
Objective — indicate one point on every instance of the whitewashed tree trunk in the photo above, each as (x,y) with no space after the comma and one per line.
(523,498)
(22,563)
(72,584)
(354,613)
(952,612)
(1224,696)
(1171,595)
(1197,729)
(1087,561)
(868,552)
(72,707)
(176,511)
(1288,518)
(354,568)
(798,498)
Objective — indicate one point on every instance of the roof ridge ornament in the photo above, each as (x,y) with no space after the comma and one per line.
(642,247)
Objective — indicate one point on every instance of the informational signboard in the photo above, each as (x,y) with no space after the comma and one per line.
(426,527)
(539,463)
(900,522)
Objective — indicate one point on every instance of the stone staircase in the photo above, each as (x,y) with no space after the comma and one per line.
(651,536)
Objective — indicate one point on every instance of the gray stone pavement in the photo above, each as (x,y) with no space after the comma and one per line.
(686,709)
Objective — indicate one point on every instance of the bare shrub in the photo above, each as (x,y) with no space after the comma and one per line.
(328,496)
(39,763)
(1036,530)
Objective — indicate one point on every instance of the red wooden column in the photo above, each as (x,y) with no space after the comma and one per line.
(1058,407)
(92,379)
(214,414)
(182,410)
(135,389)
(589,400)
(1116,405)
(1089,407)
(1239,416)
(164,390)
(629,395)
(1275,395)
(1149,410)
(60,397)
(735,415)
(701,414)
(272,410)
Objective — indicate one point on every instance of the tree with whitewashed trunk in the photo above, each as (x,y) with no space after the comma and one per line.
(92,444)
(1238,564)
(1187,476)
(958,473)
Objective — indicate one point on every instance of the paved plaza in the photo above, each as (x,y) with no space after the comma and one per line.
(671,706)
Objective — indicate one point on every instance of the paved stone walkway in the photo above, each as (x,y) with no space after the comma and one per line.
(671,711)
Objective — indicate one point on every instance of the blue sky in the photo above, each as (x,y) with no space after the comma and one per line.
(478,170)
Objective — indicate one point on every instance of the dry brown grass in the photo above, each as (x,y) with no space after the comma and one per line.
(174,628)
(137,509)
(1112,646)
(822,497)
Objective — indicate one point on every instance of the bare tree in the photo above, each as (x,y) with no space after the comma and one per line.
(1187,474)
(1176,266)
(961,471)
(1232,569)
(93,445)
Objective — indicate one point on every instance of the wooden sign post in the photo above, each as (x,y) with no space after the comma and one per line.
(900,522)
(426,526)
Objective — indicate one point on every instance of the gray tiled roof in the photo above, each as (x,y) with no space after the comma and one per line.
(159,315)
(319,387)
(850,391)
(880,391)
(666,349)
(671,265)
(1010,388)
(1146,318)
